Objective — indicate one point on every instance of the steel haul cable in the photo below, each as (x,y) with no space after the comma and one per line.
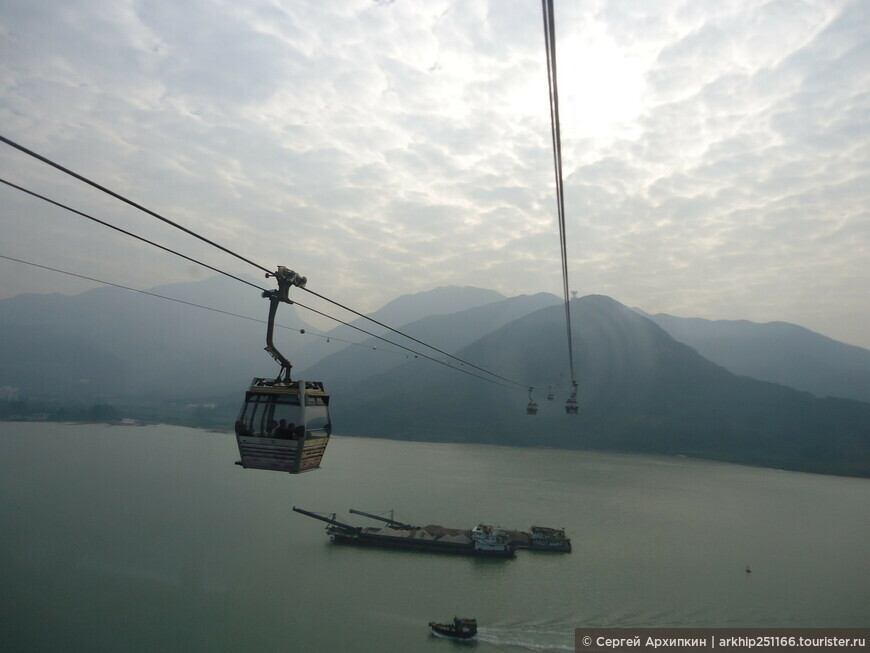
(514,385)
(120,197)
(125,200)
(84,179)
(519,386)
(251,319)
(550,43)
(125,232)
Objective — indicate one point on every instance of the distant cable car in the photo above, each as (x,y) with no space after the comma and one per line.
(283,425)
(571,403)
(532,408)
(550,394)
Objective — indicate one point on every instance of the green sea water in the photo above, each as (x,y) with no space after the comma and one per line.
(127,538)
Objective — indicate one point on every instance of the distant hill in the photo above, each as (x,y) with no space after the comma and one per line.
(438,301)
(406,309)
(778,352)
(640,390)
(110,343)
(450,333)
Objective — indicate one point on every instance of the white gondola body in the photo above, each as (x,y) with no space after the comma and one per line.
(283,426)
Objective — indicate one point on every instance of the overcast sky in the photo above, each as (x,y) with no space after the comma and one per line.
(716,153)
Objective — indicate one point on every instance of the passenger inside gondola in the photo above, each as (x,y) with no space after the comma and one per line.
(284,430)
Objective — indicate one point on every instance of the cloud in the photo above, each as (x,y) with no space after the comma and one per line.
(715,154)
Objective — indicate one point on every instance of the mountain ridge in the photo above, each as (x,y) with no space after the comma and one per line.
(777,351)
(640,389)
(655,396)
(447,332)
(413,307)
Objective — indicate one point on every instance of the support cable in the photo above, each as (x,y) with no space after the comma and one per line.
(440,351)
(550,44)
(143,292)
(196,235)
(126,201)
(515,385)
(251,319)
(207,308)
(127,233)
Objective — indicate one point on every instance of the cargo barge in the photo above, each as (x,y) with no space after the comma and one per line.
(482,540)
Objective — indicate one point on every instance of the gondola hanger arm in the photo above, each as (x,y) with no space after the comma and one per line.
(286,279)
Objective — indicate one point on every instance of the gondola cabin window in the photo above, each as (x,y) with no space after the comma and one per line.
(271,416)
(317,416)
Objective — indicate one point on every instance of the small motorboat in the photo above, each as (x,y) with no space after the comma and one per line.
(460,629)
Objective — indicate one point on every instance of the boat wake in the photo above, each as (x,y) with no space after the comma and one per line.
(528,638)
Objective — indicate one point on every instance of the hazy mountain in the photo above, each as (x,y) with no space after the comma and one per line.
(448,333)
(779,352)
(640,390)
(109,343)
(411,308)
(113,342)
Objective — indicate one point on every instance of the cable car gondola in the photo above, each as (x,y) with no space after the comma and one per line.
(283,425)
(571,403)
(532,408)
